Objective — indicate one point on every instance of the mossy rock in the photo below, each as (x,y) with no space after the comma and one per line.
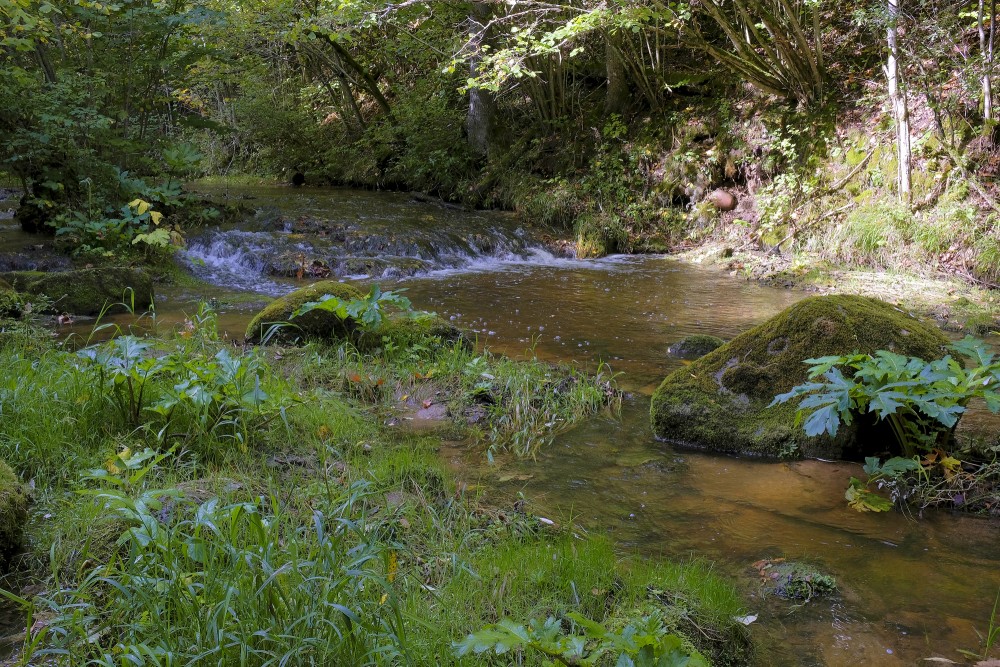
(316,324)
(13,511)
(720,402)
(88,291)
(323,325)
(695,346)
(793,580)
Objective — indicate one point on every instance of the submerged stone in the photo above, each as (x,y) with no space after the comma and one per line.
(695,346)
(13,511)
(793,580)
(720,402)
(88,291)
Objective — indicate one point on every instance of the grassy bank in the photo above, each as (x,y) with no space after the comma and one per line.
(193,502)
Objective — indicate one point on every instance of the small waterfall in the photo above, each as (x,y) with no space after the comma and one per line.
(259,260)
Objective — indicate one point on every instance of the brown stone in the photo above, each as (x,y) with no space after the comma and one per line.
(723,199)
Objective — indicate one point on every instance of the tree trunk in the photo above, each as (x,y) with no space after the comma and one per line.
(897,98)
(480,123)
(618,94)
(986,49)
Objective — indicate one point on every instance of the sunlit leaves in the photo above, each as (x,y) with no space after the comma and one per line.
(369,310)
(861,499)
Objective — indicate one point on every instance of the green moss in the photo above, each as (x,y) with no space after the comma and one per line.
(720,402)
(315,324)
(697,345)
(409,331)
(13,511)
(88,291)
(855,155)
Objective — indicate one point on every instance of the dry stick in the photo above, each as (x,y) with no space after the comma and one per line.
(847,179)
(776,250)
(830,190)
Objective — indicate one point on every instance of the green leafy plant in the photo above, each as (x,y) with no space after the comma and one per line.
(192,391)
(921,401)
(644,642)
(238,582)
(369,311)
(859,495)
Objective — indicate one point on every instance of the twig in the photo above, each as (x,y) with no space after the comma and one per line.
(776,250)
(846,179)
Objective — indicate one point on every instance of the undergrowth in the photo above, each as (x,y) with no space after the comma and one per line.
(273,519)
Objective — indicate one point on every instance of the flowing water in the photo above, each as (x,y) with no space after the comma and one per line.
(911,587)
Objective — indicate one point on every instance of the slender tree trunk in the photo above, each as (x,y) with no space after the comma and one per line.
(618,94)
(986,49)
(43,60)
(480,123)
(897,98)
(370,84)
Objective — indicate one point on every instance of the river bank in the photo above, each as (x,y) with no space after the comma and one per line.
(955,303)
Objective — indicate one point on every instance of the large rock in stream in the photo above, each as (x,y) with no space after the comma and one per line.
(327,326)
(720,402)
(318,324)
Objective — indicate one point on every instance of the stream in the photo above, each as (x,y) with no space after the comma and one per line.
(911,587)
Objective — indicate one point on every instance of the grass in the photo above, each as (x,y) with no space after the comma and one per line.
(319,535)
(517,405)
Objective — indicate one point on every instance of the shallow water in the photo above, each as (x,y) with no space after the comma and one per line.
(911,587)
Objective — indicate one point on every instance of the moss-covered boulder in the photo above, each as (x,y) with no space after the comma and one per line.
(13,511)
(695,346)
(720,402)
(317,324)
(324,325)
(88,291)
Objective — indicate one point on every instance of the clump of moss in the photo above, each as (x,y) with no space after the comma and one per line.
(315,324)
(720,402)
(409,331)
(13,511)
(88,291)
(598,235)
(695,346)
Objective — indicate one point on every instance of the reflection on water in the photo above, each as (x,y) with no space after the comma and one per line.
(911,587)
(624,311)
